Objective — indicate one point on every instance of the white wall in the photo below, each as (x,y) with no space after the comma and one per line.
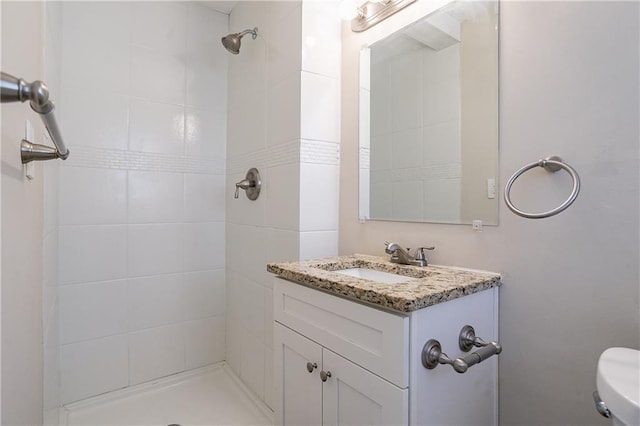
(141,245)
(568,86)
(284,119)
(50,302)
(22,226)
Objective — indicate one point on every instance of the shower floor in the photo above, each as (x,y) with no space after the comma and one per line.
(208,396)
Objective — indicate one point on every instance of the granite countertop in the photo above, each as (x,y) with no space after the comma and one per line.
(431,284)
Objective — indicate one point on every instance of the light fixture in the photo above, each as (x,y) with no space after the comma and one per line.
(365,14)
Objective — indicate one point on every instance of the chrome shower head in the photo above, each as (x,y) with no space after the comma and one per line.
(232,41)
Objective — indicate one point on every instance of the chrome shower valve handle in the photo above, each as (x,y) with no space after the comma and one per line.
(251,184)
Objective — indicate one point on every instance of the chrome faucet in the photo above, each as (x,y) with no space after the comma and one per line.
(402,256)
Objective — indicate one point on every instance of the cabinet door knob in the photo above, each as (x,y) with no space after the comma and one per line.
(311,367)
(324,375)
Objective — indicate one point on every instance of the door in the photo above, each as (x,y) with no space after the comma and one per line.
(298,361)
(355,396)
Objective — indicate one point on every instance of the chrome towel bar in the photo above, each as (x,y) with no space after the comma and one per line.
(13,89)
(550,164)
(432,354)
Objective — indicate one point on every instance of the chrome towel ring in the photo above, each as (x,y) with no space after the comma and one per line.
(550,164)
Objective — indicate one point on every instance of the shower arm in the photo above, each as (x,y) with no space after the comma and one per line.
(245,32)
(14,89)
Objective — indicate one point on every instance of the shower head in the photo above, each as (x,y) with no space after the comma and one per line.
(232,41)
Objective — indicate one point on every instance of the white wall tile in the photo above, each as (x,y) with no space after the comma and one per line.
(155,352)
(269,384)
(93,367)
(86,122)
(320,94)
(51,188)
(285,245)
(253,318)
(51,382)
(204,198)
(157,76)
(99,20)
(163,85)
(268,317)
(154,301)
(154,249)
(205,28)
(84,61)
(204,341)
(92,253)
(233,345)
(90,311)
(252,364)
(243,238)
(283,112)
(92,196)
(282,204)
(50,259)
(318,244)
(156,127)
(321,38)
(203,294)
(319,186)
(206,132)
(285,53)
(203,246)
(160,26)
(364,119)
(246,125)
(206,80)
(248,71)
(155,197)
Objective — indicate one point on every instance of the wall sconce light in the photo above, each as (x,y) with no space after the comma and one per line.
(365,14)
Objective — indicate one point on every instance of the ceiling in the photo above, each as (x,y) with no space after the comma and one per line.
(220,6)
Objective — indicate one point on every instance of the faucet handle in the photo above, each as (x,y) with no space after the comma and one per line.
(420,252)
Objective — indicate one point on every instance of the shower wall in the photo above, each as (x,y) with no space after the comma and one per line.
(50,302)
(141,210)
(284,119)
(22,225)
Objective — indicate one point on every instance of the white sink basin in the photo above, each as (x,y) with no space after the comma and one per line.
(373,275)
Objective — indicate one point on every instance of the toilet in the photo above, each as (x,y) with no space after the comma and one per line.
(618,386)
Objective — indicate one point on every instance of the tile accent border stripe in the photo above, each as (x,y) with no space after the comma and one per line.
(303,151)
(145,161)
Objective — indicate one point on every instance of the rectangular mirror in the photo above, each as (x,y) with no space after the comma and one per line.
(429,119)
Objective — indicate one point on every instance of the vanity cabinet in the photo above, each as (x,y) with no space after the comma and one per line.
(321,387)
(374,360)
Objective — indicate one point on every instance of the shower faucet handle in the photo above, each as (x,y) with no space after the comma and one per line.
(251,184)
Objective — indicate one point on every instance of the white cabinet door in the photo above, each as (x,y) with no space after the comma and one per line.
(298,391)
(355,396)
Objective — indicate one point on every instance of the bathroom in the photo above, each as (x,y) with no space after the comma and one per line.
(161,121)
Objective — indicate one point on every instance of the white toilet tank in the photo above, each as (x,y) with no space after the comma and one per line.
(618,384)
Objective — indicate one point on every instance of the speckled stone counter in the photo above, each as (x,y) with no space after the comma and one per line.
(430,284)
